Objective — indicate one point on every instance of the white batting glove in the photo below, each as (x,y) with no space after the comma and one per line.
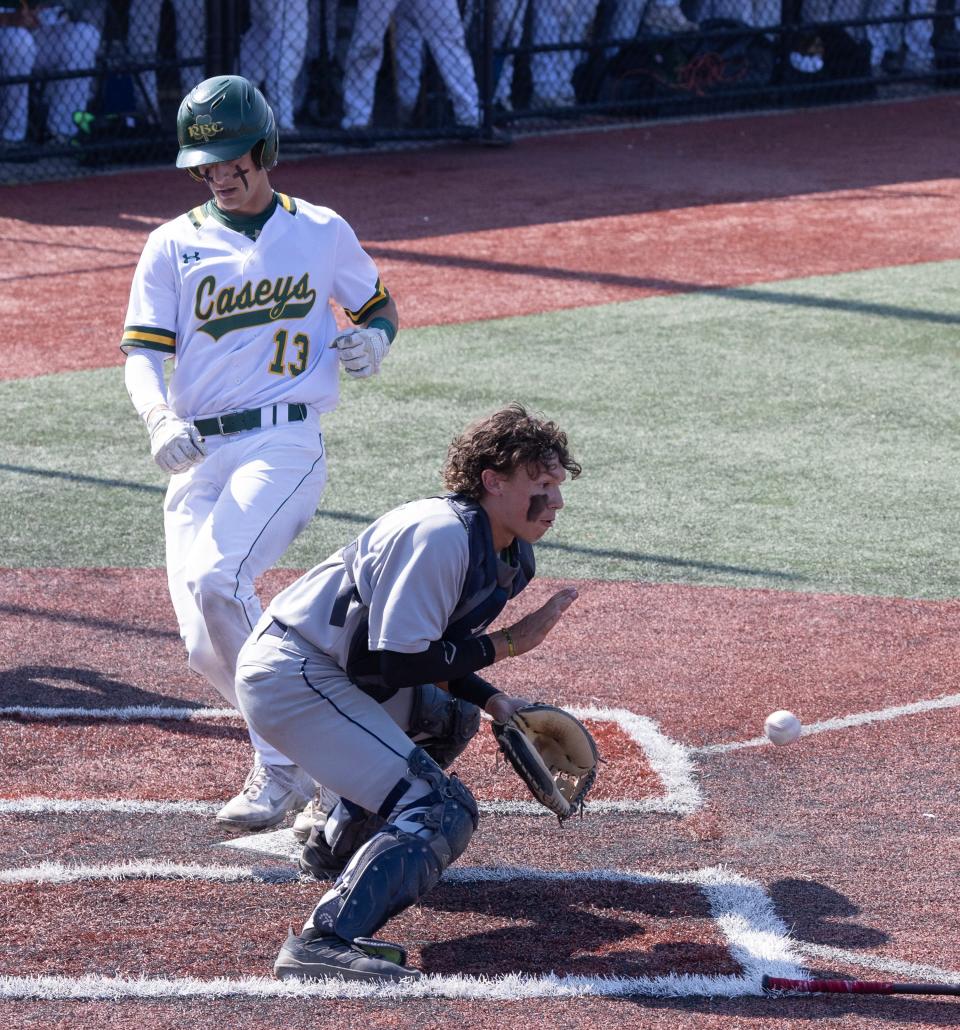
(361,351)
(175,445)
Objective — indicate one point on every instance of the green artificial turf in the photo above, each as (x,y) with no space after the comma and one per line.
(799,435)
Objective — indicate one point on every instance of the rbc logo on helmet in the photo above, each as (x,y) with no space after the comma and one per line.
(204,128)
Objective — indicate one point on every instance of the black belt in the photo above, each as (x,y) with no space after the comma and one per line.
(241,421)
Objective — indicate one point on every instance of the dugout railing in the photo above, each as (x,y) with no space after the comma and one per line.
(94,84)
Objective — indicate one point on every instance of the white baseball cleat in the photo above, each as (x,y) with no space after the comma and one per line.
(269,794)
(315,813)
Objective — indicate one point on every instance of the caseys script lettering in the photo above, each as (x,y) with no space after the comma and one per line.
(221,311)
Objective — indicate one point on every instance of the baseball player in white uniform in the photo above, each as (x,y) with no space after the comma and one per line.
(40,38)
(236,292)
(441,26)
(331,675)
(272,52)
(143,40)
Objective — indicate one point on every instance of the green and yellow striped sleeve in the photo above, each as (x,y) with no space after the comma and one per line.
(148,337)
(379,298)
(287,203)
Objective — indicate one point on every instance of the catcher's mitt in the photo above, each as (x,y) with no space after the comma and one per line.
(553,753)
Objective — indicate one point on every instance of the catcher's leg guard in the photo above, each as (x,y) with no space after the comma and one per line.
(398,865)
(444,726)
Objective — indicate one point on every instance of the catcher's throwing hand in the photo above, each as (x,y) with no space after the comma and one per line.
(531,631)
(176,445)
(552,752)
(361,351)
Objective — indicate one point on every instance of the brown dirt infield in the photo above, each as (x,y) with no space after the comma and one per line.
(673,651)
(78,758)
(550,223)
(851,832)
(579,929)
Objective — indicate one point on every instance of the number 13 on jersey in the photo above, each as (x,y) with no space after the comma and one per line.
(301,344)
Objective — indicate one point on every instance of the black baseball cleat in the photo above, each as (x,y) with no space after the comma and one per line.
(313,956)
(318,860)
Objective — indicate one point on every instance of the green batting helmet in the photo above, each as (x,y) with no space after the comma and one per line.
(222,118)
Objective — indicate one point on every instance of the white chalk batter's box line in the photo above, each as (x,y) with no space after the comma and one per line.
(741,910)
(644,729)
(748,917)
(669,761)
(842,722)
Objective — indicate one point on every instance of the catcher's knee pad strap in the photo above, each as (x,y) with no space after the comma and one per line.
(444,723)
(399,864)
(348,828)
(445,816)
(420,767)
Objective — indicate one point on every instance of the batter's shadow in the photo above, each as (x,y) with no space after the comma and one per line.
(818,914)
(66,686)
(569,928)
(591,929)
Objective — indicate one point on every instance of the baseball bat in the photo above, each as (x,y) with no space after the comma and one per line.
(780,983)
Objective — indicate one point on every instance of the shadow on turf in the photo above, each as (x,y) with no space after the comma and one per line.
(665,559)
(88,622)
(819,1009)
(818,914)
(75,477)
(149,488)
(363,520)
(669,286)
(592,928)
(30,686)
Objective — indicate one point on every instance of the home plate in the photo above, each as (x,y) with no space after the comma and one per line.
(279,844)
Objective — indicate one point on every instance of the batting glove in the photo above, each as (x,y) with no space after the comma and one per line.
(175,445)
(361,351)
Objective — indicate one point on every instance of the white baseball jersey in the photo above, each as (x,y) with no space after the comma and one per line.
(409,570)
(248,321)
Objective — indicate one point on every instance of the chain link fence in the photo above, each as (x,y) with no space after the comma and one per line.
(88,84)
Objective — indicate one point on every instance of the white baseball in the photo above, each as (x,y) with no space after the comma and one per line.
(782,727)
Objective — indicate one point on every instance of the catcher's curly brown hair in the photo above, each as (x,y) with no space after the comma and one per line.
(504,441)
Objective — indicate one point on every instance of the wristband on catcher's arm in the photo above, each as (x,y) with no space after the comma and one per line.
(442,660)
(473,688)
(385,324)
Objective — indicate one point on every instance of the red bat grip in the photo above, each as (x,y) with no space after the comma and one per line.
(779,983)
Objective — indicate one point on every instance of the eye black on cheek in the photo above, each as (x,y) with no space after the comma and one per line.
(538,505)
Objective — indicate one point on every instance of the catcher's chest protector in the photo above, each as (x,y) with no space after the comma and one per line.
(489,584)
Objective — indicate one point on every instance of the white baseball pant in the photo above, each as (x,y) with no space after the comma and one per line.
(272,51)
(226,521)
(442,27)
(144,33)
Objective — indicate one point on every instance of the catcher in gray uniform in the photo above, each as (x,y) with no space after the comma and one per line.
(349,661)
